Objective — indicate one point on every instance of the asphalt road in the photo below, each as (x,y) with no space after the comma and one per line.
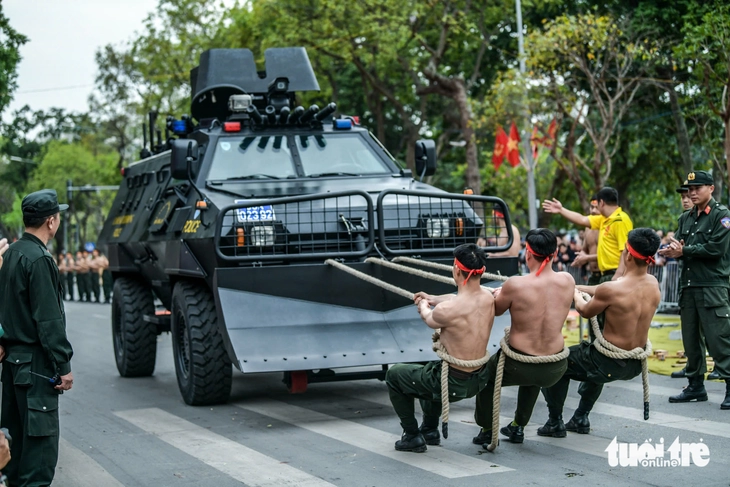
(138,432)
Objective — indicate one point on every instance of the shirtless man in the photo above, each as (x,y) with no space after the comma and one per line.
(465,320)
(82,275)
(503,237)
(630,304)
(538,303)
(589,253)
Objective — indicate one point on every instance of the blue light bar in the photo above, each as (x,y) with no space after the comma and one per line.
(179,127)
(345,124)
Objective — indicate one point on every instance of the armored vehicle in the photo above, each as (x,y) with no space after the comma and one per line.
(233,221)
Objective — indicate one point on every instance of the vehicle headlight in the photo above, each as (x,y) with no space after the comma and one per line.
(437,227)
(263,235)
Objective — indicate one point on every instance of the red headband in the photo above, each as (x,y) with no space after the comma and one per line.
(544,262)
(648,260)
(498,214)
(466,269)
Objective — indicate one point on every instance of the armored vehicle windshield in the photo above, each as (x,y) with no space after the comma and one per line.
(271,157)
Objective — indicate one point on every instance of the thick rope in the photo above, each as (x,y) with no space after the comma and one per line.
(411,270)
(612,351)
(444,267)
(518,357)
(372,280)
(447,359)
(440,350)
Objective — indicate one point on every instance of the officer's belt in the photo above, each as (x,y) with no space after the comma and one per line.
(462,375)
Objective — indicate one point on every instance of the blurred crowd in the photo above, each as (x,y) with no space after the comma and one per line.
(89,271)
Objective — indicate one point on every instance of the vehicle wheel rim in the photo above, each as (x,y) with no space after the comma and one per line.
(183,345)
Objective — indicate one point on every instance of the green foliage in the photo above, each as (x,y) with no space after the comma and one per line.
(75,161)
(10,42)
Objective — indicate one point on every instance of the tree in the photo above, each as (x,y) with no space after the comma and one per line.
(10,42)
(706,52)
(62,161)
(592,67)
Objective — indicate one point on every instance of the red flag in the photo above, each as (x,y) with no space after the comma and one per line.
(513,150)
(500,148)
(535,141)
(552,132)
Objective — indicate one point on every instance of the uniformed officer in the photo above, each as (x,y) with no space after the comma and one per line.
(70,270)
(62,270)
(82,275)
(106,278)
(95,275)
(34,320)
(704,240)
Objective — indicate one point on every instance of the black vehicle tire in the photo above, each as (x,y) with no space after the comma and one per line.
(202,365)
(135,341)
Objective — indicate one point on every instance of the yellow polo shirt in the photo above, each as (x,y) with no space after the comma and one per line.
(613,232)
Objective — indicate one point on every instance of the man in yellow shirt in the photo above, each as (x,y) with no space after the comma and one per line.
(613,225)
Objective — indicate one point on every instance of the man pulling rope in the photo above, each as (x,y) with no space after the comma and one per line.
(465,322)
(620,353)
(532,353)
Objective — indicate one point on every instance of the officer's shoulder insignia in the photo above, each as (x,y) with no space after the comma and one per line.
(726,222)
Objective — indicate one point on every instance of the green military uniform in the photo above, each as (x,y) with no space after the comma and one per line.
(704,286)
(593,369)
(34,320)
(82,280)
(62,278)
(95,287)
(69,279)
(407,382)
(530,378)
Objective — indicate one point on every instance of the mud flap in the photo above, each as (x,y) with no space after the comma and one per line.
(267,333)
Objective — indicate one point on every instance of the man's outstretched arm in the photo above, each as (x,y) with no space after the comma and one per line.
(556,206)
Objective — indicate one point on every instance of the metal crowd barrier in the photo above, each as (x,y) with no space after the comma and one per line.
(667,275)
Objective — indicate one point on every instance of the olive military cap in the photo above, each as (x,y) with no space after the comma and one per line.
(699,178)
(42,203)
(684,188)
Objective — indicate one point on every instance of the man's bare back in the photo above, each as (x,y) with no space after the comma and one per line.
(538,306)
(630,304)
(590,247)
(465,320)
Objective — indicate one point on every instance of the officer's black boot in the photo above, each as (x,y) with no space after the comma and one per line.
(516,433)
(554,426)
(695,391)
(579,422)
(714,375)
(679,374)
(430,431)
(411,442)
(726,403)
(483,438)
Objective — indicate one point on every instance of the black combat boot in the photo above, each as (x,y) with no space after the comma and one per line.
(554,427)
(714,375)
(726,403)
(430,432)
(483,438)
(679,374)
(411,442)
(579,423)
(515,433)
(695,391)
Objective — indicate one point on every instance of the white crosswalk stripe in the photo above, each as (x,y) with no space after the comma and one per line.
(77,469)
(221,453)
(461,413)
(440,461)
